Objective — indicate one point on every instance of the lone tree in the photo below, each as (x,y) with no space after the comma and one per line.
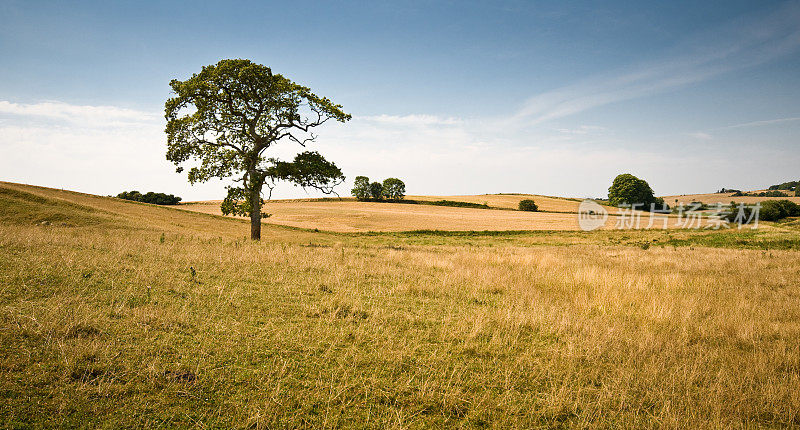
(394,189)
(226,116)
(528,205)
(630,190)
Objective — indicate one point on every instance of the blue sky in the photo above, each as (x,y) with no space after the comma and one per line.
(453,97)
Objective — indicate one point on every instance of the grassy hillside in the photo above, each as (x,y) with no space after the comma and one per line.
(118,314)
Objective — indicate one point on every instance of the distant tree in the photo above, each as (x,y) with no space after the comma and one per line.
(361,188)
(628,189)
(786,186)
(774,210)
(528,205)
(394,189)
(130,195)
(227,115)
(150,197)
(376,190)
(797,191)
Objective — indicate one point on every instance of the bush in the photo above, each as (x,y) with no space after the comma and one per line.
(394,189)
(774,210)
(528,205)
(376,190)
(361,188)
(150,197)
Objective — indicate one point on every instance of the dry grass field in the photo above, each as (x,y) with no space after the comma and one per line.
(353,216)
(119,314)
(349,215)
(511,201)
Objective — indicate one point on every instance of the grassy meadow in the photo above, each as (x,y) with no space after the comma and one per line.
(121,314)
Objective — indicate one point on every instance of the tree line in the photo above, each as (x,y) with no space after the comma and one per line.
(150,197)
(390,189)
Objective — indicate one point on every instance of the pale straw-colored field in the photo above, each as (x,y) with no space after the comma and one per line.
(348,215)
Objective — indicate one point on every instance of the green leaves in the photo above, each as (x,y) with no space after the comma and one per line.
(226,116)
(628,189)
(361,188)
(394,189)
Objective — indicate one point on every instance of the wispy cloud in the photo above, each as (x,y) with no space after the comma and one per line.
(582,130)
(724,49)
(701,135)
(411,120)
(761,123)
(77,114)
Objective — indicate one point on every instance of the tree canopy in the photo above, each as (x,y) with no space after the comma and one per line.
(394,189)
(361,188)
(226,116)
(630,190)
(150,197)
(390,189)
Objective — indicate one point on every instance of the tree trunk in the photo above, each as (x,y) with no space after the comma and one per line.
(255,214)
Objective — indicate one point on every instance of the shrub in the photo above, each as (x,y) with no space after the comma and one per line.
(150,197)
(361,188)
(528,205)
(394,189)
(774,210)
(376,190)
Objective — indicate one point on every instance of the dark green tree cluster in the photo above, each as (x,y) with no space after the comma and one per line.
(527,205)
(150,197)
(390,189)
(774,210)
(786,186)
(226,116)
(769,193)
(630,190)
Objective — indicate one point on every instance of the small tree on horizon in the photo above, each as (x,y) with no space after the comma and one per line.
(361,188)
(394,189)
(630,190)
(376,191)
(227,115)
(527,205)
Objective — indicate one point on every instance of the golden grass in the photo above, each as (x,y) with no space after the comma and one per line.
(117,314)
(511,201)
(349,215)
